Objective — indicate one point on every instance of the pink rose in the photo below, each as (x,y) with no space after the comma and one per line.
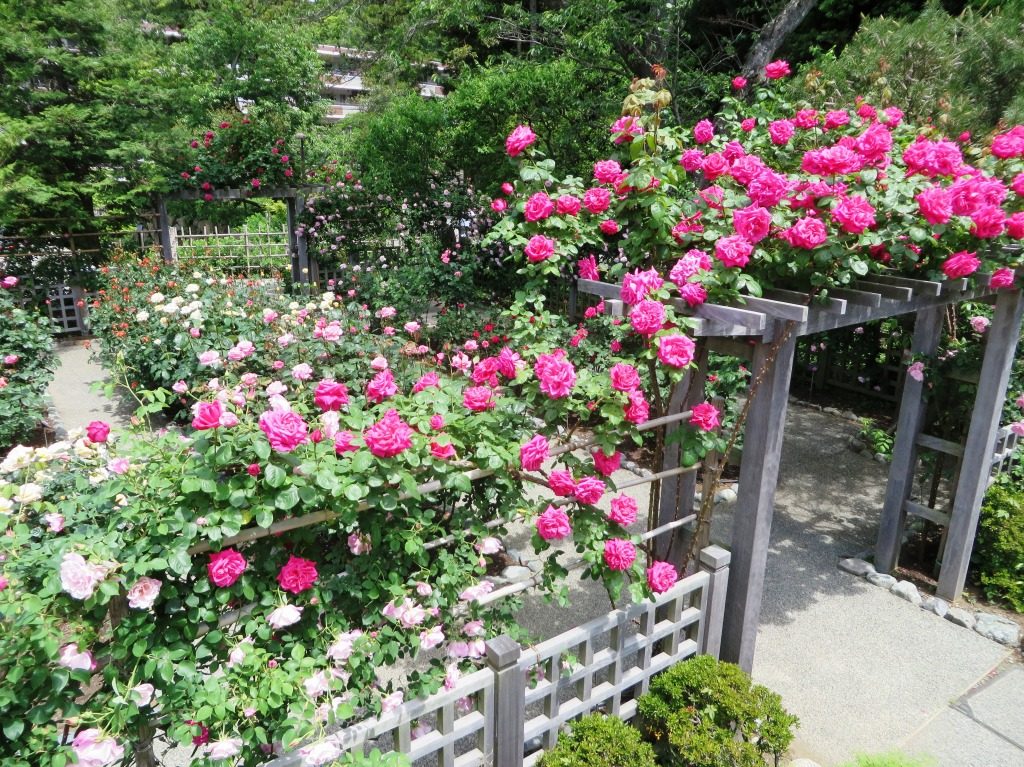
(607,171)
(626,128)
(76,660)
(693,293)
(748,124)
(960,264)
(343,443)
(624,377)
(854,214)
(806,232)
(553,524)
(519,139)
(284,616)
(561,482)
(285,430)
(691,160)
(297,575)
(705,416)
(638,410)
(636,285)
(777,69)
(988,221)
(224,749)
(97,431)
(609,226)
(836,119)
(752,223)
(498,205)
(980,324)
(437,422)
(538,207)
(676,350)
(533,453)
(739,82)
(733,250)
(225,567)
(604,463)
(1015,225)
(478,398)
(207,415)
(703,132)
(330,395)
(359,543)
(556,374)
(442,452)
(624,510)
(647,317)
(935,204)
(661,576)
(93,749)
(1009,145)
(381,387)
(714,165)
(389,437)
(806,119)
(507,188)
(143,593)
(781,131)
(567,205)
(1001,278)
(427,380)
(693,262)
(767,188)
(619,554)
(597,199)
(78,577)
(589,490)
(539,248)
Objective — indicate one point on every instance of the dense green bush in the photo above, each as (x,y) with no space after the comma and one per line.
(706,713)
(26,367)
(999,549)
(964,71)
(600,741)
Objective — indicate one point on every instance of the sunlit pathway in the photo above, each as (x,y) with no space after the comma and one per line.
(71,390)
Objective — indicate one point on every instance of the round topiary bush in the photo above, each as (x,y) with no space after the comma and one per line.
(600,741)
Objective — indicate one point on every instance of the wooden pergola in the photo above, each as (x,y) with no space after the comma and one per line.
(304,269)
(765,332)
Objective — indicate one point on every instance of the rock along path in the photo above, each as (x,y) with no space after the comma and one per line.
(864,670)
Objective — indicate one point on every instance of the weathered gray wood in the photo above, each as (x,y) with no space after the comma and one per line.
(858,297)
(831,305)
(509,700)
(714,560)
(780,310)
(165,230)
(762,448)
(926,512)
(306,272)
(1001,341)
(923,287)
(753,321)
(927,332)
(894,292)
(940,445)
(744,350)
(598,288)
(950,287)
(293,244)
(677,493)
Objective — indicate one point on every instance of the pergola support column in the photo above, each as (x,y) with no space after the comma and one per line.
(1002,338)
(165,230)
(759,473)
(927,333)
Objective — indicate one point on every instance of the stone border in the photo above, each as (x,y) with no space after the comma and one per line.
(988,625)
(54,420)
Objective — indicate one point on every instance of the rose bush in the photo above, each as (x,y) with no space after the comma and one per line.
(26,366)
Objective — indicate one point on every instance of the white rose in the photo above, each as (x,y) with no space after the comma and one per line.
(142,694)
(156,298)
(143,594)
(29,493)
(142,316)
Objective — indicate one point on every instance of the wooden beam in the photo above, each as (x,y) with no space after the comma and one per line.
(1000,344)
(940,445)
(752,521)
(858,297)
(927,333)
(829,304)
(926,512)
(780,310)
(923,287)
(598,288)
(894,292)
(753,321)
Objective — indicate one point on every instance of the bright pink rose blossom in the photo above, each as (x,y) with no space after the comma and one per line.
(389,436)
(661,576)
(647,317)
(539,248)
(705,416)
(522,137)
(285,430)
(297,575)
(534,453)
(330,395)
(619,554)
(553,524)
(606,464)
(960,264)
(624,510)
(624,377)
(225,567)
(97,431)
(207,415)
(676,350)
(556,375)
(777,69)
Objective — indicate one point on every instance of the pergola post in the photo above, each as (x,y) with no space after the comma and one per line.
(759,473)
(927,333)
(1002,338)
(165,230)
(677,493)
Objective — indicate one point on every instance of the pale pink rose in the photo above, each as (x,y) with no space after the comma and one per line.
(431,638)
(143,593)
(269,315)
(1017,428)
(180,387)
(980,324)
(489,545)
(209,358)
(916,371)
(54,522)
(195,332)
(359,543)
(461,362)
(411,327)
(224,749)
(302,372)
(275,389)
(392,702)
(285,615)
(424,589)
(320,753)
(119,466)
(142,694)
(94,749)
(474,593)
(317,685)
(78,577)
(76,660)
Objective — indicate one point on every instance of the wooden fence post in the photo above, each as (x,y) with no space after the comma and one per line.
(927,332)
(714,560)
(165,230)
(976,465)
(509,701)
(759,474)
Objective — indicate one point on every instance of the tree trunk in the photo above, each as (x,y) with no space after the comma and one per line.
(774,34)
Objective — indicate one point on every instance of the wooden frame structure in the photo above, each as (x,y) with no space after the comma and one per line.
(304,269)
(764,331)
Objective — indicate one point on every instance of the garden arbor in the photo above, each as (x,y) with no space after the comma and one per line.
(765,331)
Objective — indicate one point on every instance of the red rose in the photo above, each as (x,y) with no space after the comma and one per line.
(297,575)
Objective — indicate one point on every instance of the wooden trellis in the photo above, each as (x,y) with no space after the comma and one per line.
(765,331)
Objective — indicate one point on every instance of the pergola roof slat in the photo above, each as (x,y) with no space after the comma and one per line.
(923,287)
(783,310)
(895,292)
(829,304)
(858,297)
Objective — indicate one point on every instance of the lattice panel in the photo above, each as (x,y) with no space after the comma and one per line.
(608,662)
(66,316)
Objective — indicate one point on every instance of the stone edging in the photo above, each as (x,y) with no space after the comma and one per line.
(54,421)
(988,625)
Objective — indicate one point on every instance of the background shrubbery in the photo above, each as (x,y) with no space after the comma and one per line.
(25,335)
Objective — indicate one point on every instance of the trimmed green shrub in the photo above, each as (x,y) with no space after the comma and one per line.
(999,548)
(706,713)
(600,741)
(26,367)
